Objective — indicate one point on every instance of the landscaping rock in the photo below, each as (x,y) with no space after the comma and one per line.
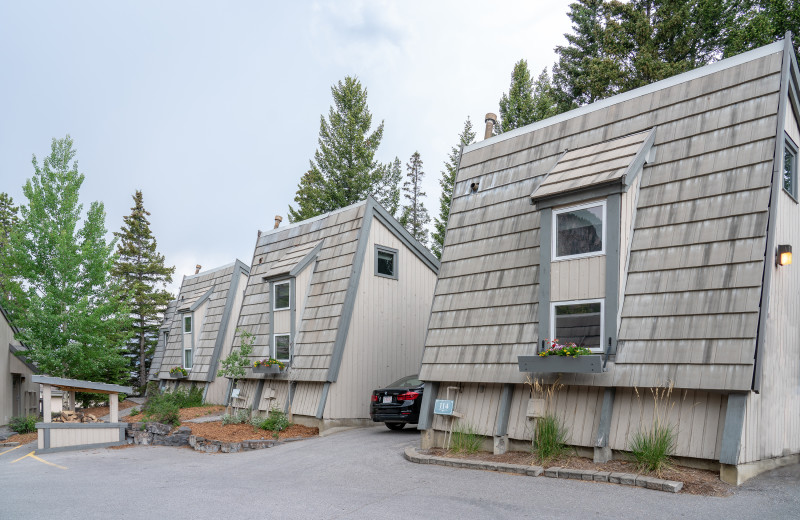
(158,428)
(672,486)
(534,471)
(552,472)
(602,476)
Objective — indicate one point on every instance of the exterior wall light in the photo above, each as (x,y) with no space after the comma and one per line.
(784,254)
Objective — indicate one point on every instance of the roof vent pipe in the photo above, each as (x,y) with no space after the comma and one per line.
(197,268)
(491,120)
(278,220)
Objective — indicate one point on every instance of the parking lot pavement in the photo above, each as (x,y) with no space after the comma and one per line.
(353,474)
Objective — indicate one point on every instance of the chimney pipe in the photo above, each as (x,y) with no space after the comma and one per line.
(197,268)
(491,120)
(278,220)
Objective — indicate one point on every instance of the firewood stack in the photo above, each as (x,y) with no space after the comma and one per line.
(68,416)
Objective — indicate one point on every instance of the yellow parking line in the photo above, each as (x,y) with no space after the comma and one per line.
(33,456)
(12,449)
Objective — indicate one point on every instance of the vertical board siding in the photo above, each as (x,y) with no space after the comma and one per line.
(283,323)
(279,390)
(387,329)
(60,438)
(772,418)
(697,418)
(306,398)
(696,231)
(580,279)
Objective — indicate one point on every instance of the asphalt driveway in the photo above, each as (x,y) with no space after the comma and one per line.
(353,474)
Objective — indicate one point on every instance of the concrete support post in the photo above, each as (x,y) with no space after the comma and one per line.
(71,403)
(113,405)
(602,452)
(47,406)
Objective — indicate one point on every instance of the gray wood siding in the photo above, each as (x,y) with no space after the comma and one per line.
(387,329)
(306,398)
(273,395)
(791,127)
(579,279)
(696,249)
(772,417)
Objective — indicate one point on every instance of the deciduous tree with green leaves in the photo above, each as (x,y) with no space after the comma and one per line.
(234,366)
(344,169)
(69,311)
(414,216)
(447,183)
(9,218)
(141,272)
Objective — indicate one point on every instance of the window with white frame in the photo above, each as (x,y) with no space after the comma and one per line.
(579,322)
(282,296)
(790,168)
(187,324)
(579,231)
(282,349)
(187,357)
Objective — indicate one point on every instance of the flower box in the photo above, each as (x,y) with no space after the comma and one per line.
(178,375)
(272,369)
(587,364)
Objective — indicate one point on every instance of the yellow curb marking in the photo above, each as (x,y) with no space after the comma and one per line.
(12,449)
(33,456)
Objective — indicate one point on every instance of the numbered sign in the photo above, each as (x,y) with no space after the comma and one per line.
(443,407)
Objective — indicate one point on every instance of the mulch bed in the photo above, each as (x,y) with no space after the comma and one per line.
(185,413)
(695,481)
(216,431)
(100,411)
(23,438)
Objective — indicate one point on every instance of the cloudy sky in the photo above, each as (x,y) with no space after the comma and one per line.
(212,108)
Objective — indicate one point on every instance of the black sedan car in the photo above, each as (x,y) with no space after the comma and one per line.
(397,404)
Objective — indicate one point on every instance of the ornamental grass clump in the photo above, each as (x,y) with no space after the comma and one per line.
(653,445)
(549,437)
(465,439)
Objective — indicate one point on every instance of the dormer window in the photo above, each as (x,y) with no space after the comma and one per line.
(579,231)
(282,296)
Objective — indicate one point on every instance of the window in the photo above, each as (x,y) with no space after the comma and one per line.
(282,296)
(579,322)
(579,231)
(282,349)
(790,169)
(386,262)
(187,324)
(187,357)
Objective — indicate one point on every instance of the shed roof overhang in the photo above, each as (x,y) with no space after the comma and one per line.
(294,260)
(82,386)
(595,170)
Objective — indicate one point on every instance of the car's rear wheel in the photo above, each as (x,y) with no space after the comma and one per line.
(395,425)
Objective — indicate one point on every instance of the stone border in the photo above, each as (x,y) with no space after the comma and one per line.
(624,479)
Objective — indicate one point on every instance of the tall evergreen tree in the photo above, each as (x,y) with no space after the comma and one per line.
(141,272)
(759,22)
(447,183)
(517,107)
(8,220)
(70,313)
(344,170)
(388,189)
(414,215)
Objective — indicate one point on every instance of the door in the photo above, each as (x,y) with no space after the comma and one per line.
(16,395)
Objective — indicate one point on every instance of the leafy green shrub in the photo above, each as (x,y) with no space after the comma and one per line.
(134,411)
(652,448)
(188,399)
(549,437)
(23,423)
(164,411)
(240,417)
(152,389)
(276,421)
(465,439)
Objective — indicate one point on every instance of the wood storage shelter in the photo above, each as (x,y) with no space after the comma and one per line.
(78,436)
(647,226)
(343,299)
(198,330)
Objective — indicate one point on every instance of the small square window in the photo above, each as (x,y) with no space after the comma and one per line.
(187,324)
(282,347)
(579,231)
(282,296)
(790,169)
(579,322)
(385,262)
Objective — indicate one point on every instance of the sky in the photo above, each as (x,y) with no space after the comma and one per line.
(212,109)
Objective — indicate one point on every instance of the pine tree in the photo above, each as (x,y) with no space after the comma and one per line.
(447,183)
(141,272)
(70,313)
(388,189)
(8,221)
(344,170)
(414,216)
(517,107)
(759,22)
